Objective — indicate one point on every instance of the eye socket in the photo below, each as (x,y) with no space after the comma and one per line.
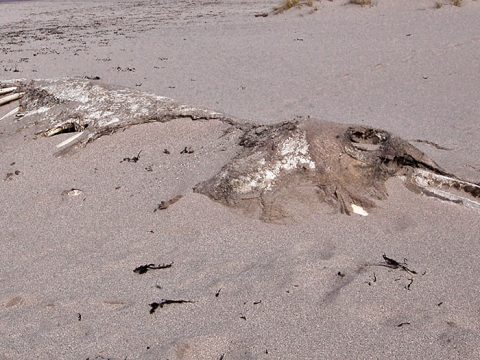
(366,135)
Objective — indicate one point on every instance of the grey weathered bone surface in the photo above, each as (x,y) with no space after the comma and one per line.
(10,113)
(73,105)
(302,161)
(345,166)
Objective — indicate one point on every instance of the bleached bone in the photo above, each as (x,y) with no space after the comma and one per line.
(102,108)
(13,112)
(7,90)
(359,210)
(68,126)
(53,131)
(9,98)
(70,140)
(447,188)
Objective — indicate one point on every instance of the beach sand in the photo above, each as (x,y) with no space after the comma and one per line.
(309,289)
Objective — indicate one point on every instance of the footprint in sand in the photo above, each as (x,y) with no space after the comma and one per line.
(15,301)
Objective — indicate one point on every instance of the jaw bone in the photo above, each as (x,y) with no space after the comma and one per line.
(447,188)
(276,165)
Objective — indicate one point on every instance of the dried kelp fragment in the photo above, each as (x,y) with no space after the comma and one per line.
(187,150)
(133,159)
(142,269)
(155,305)
(394,264)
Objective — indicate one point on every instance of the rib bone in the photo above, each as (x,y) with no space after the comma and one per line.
(70,140)
(10,98)
(7,90)
(13,112)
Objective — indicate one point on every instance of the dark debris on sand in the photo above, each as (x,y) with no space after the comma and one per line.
(187,150)
(165,204)
(144,268)
(155,305)
(394,264)
(10,175)
(133,159)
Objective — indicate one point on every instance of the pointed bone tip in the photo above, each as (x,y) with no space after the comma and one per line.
(13,112)
(9,98)
(69,140)
(356,209)
(7,90)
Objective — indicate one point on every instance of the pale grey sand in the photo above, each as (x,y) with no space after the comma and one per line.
(292,291)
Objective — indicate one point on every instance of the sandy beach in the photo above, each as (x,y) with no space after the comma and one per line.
(315,286)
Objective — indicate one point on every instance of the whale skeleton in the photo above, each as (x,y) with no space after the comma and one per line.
(344,166)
